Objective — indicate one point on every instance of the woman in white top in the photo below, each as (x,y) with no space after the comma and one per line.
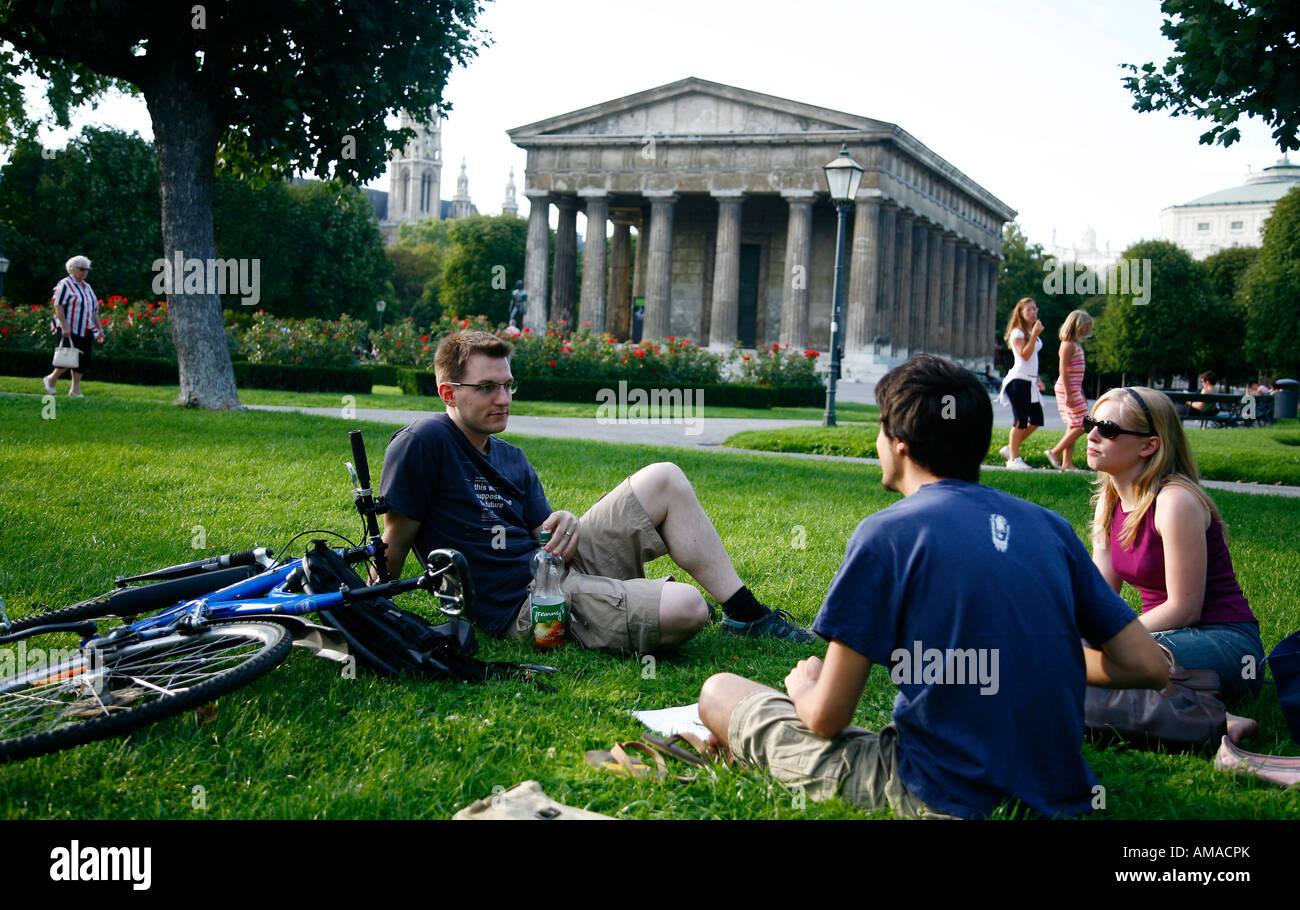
(1021,388)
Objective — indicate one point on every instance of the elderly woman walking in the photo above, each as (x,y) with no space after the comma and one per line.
(76,316)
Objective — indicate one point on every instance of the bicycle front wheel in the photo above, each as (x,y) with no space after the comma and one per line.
(84,695)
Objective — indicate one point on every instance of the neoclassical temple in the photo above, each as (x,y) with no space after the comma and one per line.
(736,231)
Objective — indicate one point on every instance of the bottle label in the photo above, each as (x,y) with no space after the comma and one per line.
(549,616)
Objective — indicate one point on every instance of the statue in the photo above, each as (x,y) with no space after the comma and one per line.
(518,304)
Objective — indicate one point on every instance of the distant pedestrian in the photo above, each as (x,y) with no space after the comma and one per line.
(1070,400)
(1022,388)
(76,318)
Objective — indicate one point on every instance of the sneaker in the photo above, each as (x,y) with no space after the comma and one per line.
(49,386)
(76,394)
(1018,464)
(1052,459)
(774,624)
(1005,452)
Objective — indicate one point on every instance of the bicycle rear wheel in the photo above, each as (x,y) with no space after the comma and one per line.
(84,696)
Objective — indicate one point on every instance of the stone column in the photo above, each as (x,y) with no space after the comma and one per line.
(591,309)
(960,329)
(638,260)
(887,305)
(659,268)
(618,296)
(566,260)
(725,313)
(995,266)
(862,318)
(947,335)
(794,297)
(535,259)
(903,269)
(916,338)
(979,329)
(934,293)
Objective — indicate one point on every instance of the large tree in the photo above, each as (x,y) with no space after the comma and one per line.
(257,87)
(1270,291)
(485,259)
(1230,59)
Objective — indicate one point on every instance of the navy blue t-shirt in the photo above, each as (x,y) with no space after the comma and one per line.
(977,602)
(485,505)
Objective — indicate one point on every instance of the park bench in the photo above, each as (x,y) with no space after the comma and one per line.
(1225,410)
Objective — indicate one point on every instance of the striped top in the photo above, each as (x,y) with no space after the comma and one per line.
(80,308)
(1071,383)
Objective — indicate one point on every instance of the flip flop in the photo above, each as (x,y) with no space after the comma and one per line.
(617,761)
(1283,770)
(700,754)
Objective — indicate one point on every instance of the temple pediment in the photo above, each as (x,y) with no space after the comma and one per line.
(695,107)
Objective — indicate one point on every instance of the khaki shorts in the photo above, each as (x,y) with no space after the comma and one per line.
(612,605)
(859,766)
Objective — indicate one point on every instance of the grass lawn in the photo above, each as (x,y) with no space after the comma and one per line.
(391,398)
(1265,455)
(116,486)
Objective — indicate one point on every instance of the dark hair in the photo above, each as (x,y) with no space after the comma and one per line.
(941,411)
(454,352)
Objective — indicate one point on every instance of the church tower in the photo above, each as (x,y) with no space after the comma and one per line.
(510,206)
(415,174)
(461,207)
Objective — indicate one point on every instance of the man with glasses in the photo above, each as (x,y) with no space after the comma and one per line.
(449,483)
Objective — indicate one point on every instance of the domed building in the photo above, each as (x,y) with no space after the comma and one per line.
(1231,217)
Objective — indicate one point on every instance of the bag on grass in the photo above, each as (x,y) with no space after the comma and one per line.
(526,801)
(1186,714)
(391,640)
(1284,661)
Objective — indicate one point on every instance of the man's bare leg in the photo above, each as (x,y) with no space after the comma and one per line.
(719,697)
(693,542)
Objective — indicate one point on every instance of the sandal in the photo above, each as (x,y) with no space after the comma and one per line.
(617,761)
(700,754)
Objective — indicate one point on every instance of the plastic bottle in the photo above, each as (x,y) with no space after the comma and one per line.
(548,604)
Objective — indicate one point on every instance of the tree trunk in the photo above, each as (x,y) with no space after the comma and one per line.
(185,134)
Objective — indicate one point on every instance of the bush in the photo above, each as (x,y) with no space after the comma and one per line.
(26,328)
(778,366)
(302,379)
(553,355)
(136,329)
(304,342)
(134,370)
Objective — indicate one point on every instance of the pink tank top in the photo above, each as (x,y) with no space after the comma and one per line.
(1143,567)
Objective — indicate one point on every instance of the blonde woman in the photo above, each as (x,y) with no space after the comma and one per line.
(1021,387)
(1154,527)
(1070,400)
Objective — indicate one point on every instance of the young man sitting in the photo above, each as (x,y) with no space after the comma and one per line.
(449,483)
(977,601)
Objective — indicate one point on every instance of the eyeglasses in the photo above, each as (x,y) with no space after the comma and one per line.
(489,388)
(1109,429)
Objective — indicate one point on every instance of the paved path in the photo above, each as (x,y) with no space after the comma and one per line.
(708,434)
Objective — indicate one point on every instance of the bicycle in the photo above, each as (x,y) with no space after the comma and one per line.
(224,621)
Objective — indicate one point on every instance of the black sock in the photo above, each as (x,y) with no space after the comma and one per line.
(743,607)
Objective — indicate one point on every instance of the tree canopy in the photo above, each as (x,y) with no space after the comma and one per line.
(1270,291)
(484,260)
(1229,60)
(259,88)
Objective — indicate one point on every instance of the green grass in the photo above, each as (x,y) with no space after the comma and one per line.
(1265,455)
(391,398)
(304,742)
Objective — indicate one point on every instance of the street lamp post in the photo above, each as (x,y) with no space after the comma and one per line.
(379,308)
(843,175)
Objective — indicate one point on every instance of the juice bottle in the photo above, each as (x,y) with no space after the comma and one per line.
(548,604)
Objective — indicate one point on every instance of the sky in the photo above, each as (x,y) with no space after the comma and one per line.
(1023,97)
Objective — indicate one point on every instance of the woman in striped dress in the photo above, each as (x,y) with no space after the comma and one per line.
(1070,400)
(76,316)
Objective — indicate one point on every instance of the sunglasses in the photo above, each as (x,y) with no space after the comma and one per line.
(1109,429)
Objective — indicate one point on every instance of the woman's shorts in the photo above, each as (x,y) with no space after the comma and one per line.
(1026,413)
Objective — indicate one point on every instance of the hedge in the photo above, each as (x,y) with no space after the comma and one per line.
(145,371)
(418,382)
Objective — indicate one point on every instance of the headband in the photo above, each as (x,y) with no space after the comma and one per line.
(1151,424)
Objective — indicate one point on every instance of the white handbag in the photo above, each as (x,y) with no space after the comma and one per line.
(67,356)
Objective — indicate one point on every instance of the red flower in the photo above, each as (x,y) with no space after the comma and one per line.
(4,330)
(424,337)
(746,356)
(526,330)
(638,352)
(609,339)
(297,358)
(550,363)
(103,322)
(811,353)
(775,346)
(36,307)
(464,324)
(153,319)
(671,338)
(425,348)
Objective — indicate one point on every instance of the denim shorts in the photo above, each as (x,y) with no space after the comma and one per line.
(1231,649)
